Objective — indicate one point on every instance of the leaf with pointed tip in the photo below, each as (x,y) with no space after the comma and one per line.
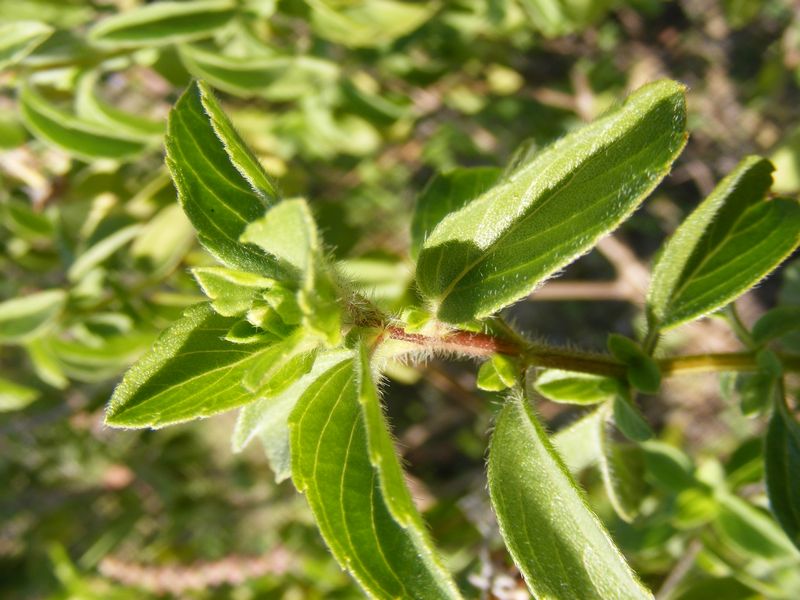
(498,373)
(20,38)
(231,292)
(221,185)
(642,371)
(339,461)
(630,420)
(782,470)
(733,239)
(163,23)
(78,137)
(499,247)
(26,317)
(190,372)
(446,193)
(558,543)
(622,467)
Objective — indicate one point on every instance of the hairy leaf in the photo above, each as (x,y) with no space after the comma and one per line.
(733,239)
(26,317)
(163,23)
(782,470)
(20,38)
(622,467)
(190,372)
(497,248)
(555,539)
(446,193)
(571,387)
(221,185)
(340,461)
(577,444)
(80,138)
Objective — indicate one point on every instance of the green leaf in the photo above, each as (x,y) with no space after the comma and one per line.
(554,18)
(642,371)
(622,466)
(446,193)
(577,444)
(268,418)
(190,372)
(555,539)
(221,185)
(26,317)
(232,292)
(776,323)
(14,396)
(782,467)
(498,373)
(629,419)
(733,239)
(163,23)
(571,387)
(276,78)
(281,365)
(499,247)
(340,461)
(101,251)
(163,242)
(750,530)
(20,38)
(80,138)
(668,467)
(367,23)
(91,107)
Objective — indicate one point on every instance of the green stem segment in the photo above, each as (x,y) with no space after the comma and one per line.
(480,345)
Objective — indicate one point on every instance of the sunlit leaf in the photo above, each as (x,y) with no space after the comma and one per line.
(732,240)
(555,539)
(571,387)
(20,38)
(26,317)
(497,248)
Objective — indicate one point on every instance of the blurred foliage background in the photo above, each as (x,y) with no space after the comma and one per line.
(354,105)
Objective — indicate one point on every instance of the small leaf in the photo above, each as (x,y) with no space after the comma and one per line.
(622,467)
(190,372)
(367,23)
(782,466)
(26,317)
(221,185)
(281,365)
(750,530)
(163,23)
(82,139)
(499,247)
(163,242)
(14,396)
(554,19)
(577,444)
(446,193)
(276,78)
(334,448)
(629,419)
(668,467)
(101,251)
(776,323)
(232,292)
(498,373)
(571,387)
(733,239)
(20,38)
(555,539)
(642,371)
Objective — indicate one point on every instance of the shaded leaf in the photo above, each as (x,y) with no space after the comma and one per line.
(629,419)
(497,248)
(577,444)
(622,467)
(733,239)
(782,470)
(555,539)
(750,530)
(334,446)
(642,371)
(101,251)
(776,323)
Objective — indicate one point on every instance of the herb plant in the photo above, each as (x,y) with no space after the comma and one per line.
(286,339)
